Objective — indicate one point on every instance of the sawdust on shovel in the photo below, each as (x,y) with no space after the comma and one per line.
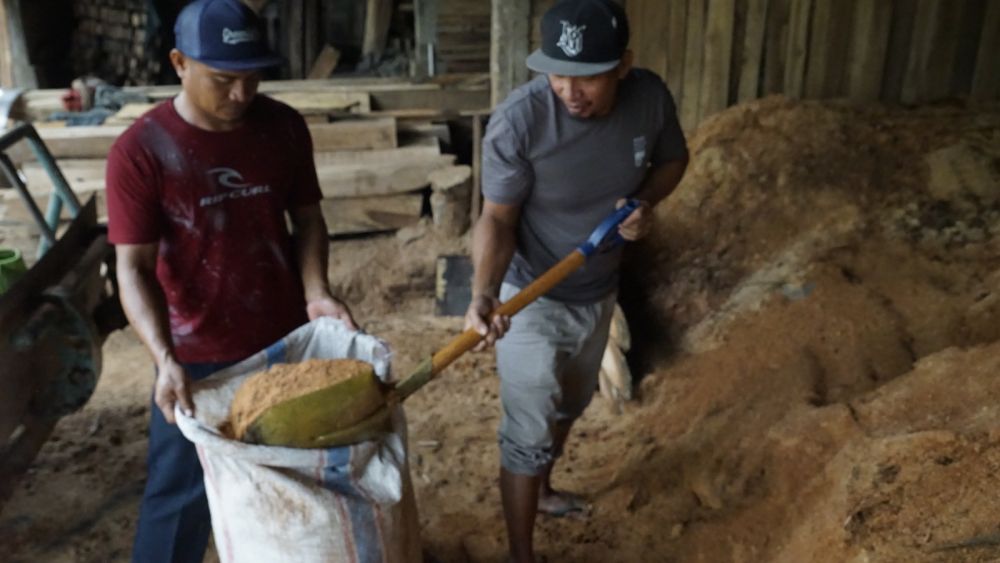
(283,382)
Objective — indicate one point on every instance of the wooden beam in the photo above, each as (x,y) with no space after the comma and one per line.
(325,63)
(88,141)
(775,47)
(354,134)
(378,15)
(899,50)
(509,45)
(935,42)
(868,48)
(718,53)
(986,80)
(829,30)
(676,37)
(346,216)
(753,51)
(311,36)
(350,180)
(689,105)
(294,23)
(798,47)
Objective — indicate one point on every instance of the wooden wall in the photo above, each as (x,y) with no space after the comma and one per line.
(715,53)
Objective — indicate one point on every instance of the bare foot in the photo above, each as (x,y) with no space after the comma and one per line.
(562,504)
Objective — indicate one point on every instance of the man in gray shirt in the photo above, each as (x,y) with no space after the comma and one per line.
(560,153)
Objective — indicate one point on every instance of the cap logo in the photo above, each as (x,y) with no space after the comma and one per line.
(237,36)
(571,40)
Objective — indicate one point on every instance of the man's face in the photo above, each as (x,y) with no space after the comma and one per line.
(220,96)
(590,96)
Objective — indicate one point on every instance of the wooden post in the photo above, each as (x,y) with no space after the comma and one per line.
(986,80)
(677,20)
(867,53)
(310,39)
(477,168)
(510,38)
(425,16)
(690,113)
(718,53)
(293,35)
(378,15)
(798,47)
(753,51)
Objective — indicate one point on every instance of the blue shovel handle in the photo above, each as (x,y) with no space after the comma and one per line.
(606,236)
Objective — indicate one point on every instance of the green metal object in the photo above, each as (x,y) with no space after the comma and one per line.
(11,267)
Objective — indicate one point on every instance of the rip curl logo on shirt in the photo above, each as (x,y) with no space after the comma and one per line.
(237,36)
(237,187)
(571,40)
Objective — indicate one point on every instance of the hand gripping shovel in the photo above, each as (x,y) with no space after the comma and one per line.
(357,408)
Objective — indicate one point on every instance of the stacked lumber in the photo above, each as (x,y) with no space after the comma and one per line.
(371,182)
(112,40)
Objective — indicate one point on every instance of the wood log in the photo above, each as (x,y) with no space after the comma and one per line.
(450,199)
(325,63)
(354,134)
(343,181)
(371,214)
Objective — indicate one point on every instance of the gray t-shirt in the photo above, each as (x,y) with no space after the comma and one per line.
(566,173)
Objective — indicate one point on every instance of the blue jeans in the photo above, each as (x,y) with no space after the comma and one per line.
(174,521)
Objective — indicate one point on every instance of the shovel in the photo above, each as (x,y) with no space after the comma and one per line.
(359,408)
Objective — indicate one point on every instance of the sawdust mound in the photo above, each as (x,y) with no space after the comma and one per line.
(828,278)
(283,382)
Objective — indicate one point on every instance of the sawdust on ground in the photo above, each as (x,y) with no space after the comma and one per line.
(816,322)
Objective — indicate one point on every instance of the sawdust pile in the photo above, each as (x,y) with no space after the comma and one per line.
(283,382)
(827,281)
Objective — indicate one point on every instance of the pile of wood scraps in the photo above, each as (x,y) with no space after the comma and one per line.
(377,168)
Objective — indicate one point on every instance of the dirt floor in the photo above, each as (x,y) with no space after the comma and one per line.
(817,327)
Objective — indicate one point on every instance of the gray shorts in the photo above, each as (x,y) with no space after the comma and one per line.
(548,364)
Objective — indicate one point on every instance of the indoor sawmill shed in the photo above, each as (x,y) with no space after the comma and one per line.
(350,280)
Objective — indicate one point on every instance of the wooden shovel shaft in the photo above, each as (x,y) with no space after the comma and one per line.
(470,338)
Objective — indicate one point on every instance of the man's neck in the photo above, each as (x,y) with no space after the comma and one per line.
(197,118)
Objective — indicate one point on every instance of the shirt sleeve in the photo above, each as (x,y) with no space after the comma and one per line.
(507,174)
(670,144)
(135,215)
(305,189)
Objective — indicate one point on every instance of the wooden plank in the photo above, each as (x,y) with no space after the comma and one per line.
(325,102)
(347,216)
(897,58)
(354,134)
(718,52)
(378,15)
(89,141)
(798,47)
(348,180)
(827,43)
(509,47)
(78,172)
(753,51)
(872,25)
(688,106)
(676,37)
(425,22)
(935,41)
(970,28)
(325,63)
(477,168)
(409,154)
(775,47)
(986,80)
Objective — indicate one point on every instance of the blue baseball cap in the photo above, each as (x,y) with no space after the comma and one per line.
(223,34)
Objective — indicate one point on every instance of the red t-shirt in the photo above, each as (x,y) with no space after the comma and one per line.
(215,203)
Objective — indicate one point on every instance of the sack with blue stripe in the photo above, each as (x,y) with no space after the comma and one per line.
(271,504)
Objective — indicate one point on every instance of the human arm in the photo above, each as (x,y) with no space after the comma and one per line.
(493,243)
(312,253)
(659,183)
(146,307)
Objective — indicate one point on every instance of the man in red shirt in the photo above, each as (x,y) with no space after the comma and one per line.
(198,191)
